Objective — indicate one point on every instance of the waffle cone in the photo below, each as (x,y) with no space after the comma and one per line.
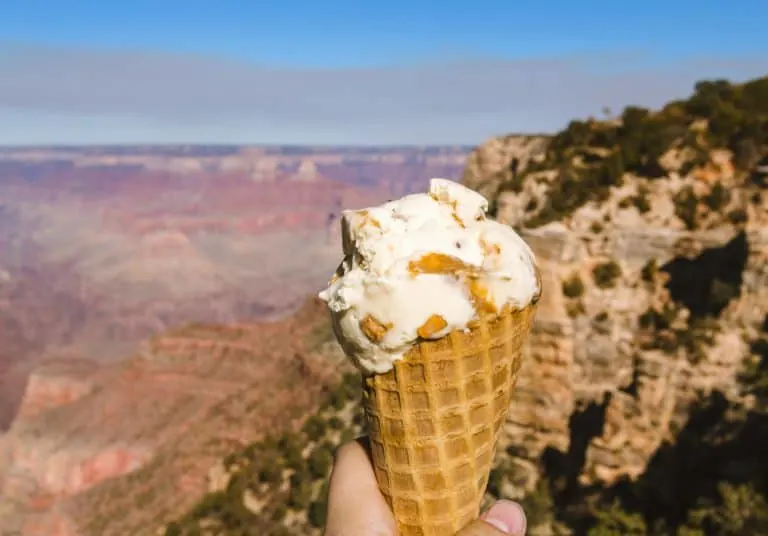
(434,420)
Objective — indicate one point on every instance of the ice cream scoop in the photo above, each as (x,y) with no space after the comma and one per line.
(420,267)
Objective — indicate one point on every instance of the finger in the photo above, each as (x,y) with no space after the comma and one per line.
(355,504)
(504,518)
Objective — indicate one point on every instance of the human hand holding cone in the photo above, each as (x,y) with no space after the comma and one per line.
(439,346)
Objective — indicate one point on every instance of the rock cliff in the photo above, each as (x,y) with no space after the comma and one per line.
(496,160)
(655,284)
(158,420)
(593,354)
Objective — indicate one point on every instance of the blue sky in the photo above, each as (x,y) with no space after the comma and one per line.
(353,72)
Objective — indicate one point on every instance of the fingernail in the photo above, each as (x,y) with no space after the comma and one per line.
(507,516)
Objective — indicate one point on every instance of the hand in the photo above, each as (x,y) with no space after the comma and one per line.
(357,508)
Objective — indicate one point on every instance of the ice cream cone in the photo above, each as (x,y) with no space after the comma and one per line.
(435,418)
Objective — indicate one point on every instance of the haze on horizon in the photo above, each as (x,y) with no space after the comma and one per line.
(347,72)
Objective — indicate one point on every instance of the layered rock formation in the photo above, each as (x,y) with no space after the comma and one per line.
(498,159)
(161,419)
(600,393)
(101,247)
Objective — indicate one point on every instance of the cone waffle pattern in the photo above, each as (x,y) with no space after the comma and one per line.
(434,420)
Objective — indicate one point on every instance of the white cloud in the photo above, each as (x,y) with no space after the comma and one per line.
(81,95)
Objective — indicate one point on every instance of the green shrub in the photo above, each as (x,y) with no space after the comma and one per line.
(299,477)
(569,191)
(589,156)
(576,134)
(351,386)
(315,428)
(746,153)
(658,320)
(709,97)
(493,208)
(346,436)
(495,482)
(271,473)
(300,496)
(334,423)
(633,117)
(737,216)
(238,484)
(316,515)
(754,96)
(358,418)
(605,274)
(604,137)
(644,138)
(278,514)
(741,511)
(250,451)
(755,374)
(513,184)
(574,308)
(320,461)
(666,341)
(650,271)
(695,342)
(615,521)
(211,503)
(613,170)
(336,400)
(686,205)
(641,202)
(718,197)
(573,287)
(290,448)
(538,504)
(173,529)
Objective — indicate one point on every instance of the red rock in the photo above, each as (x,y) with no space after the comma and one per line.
(190,386)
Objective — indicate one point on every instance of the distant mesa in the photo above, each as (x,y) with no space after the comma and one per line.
(167,243)
(307,172)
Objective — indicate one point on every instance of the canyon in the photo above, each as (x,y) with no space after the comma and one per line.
(106,251)
(91,438)
(188,345)
(101,247)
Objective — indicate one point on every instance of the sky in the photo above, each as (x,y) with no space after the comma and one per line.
(353,72)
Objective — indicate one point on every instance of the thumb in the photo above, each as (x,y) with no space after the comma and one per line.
(503,518)
(355,505)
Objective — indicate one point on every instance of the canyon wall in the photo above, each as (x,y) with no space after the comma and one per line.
(594,396)
(109,449)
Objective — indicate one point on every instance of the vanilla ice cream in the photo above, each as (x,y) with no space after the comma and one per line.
(421,266)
